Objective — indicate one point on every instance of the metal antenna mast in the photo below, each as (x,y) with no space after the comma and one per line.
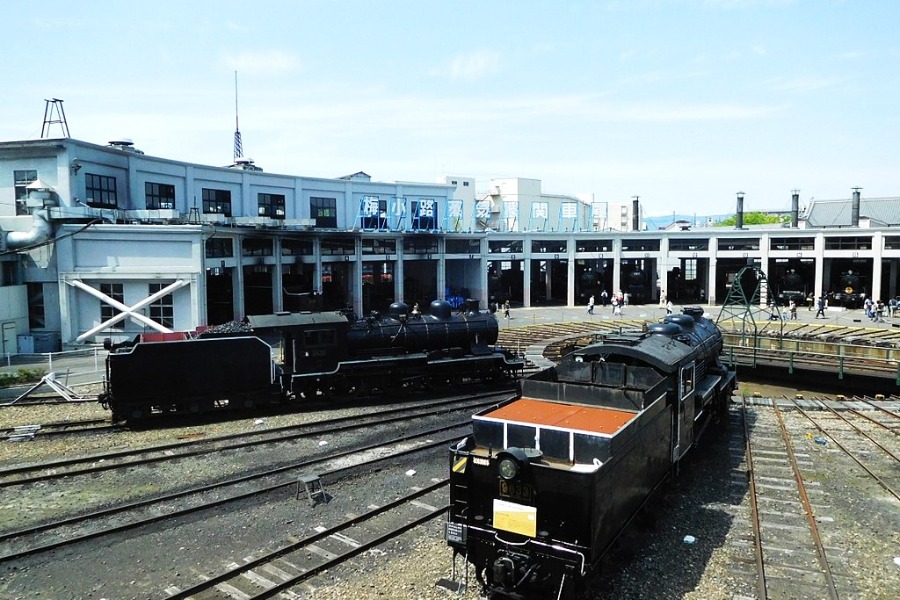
(54,114)
(238,144)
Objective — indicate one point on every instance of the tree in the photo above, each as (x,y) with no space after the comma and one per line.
(755,218)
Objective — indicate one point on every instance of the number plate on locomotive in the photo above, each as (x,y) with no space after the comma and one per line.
(516,490)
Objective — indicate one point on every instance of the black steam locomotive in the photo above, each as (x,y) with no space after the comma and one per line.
(851,292)
(547,482)
(294,356)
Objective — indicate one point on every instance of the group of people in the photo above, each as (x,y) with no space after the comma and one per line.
(617,302)
(875,310)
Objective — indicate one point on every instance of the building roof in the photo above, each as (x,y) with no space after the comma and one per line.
(836,213)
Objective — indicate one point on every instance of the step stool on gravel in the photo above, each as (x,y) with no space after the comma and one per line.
(313,487)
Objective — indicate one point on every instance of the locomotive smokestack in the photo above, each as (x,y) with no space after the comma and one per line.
(635,214)
(854,208)
(739,222)
(795,208)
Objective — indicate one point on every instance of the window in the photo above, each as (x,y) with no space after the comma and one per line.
(464,246)
(420,245)
(338,246)
(687,380)
(892,242)
(9,273)
(290,247)
(271,205)
(107,312)
(318,337)
(219,248)
(682,244)
(163,310)
(256,247)
(22,179)
(217,202)
(100,191)
(803,243)
(640,245)
(738,243)
(593,245)
(505,247)
(465,184)
(848,243)
(36,315)
(690,269)
(379,246)
(159,196)
(324,211)
(549,246)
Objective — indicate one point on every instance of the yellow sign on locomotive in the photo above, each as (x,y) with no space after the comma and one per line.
(515,518)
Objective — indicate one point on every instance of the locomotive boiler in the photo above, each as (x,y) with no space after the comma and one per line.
(547,482)
(290,357)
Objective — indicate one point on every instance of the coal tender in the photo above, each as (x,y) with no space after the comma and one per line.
(547,482)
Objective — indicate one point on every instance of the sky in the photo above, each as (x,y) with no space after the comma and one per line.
(683,103)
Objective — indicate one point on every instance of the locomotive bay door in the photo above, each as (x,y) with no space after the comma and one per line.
(684,421)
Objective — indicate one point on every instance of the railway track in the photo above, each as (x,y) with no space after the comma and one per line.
(97,463)
(45,537)
(270,571)
(789,545)
(58,429)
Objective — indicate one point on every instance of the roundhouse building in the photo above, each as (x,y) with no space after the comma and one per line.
(105,242)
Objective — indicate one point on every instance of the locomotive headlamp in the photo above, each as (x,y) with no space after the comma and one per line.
(510,462)
(508,468)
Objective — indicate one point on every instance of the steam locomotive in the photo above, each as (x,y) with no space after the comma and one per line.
(851,292)
(284,357)
(547,482)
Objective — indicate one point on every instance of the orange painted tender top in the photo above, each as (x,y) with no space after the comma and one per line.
(541,412)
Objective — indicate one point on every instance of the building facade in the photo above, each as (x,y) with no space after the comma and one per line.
(106,242)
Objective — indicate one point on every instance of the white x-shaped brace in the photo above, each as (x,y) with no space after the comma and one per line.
(126,311)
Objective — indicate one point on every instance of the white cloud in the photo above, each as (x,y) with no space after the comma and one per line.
(268,62)
(474,65)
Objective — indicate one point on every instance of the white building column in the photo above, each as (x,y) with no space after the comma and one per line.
(617,267)
(571,247)
(877,249)
(526,280)
(819,286)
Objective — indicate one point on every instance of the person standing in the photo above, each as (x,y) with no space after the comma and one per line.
(793,308)
(821,306)
(506,309)
(604,297)
(669,307)
(591,305)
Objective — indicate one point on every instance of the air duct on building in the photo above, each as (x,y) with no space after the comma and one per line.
(795,209)
(854,208)
(739,220)
(40,233)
